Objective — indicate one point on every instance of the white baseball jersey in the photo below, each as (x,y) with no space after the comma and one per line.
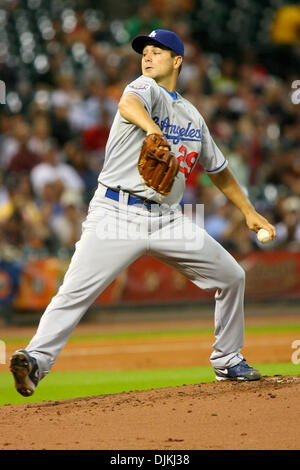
(183,126)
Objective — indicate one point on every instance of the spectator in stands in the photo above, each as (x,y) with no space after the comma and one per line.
(67,94)
(284,171)
(218,221)
(9,144)
(239,162)
(20,218)
(53,170)
(98,102)
(113,69)
(143,21)
(236,236)
(37,234)
(80,33)
(49,200)
(60,126)
(285,34)
(3,192)
(78,159)
(226,82)
(275,95)
(10,185)
(24,159)
(288,228)
(285,29)
(170,11)
(58,59)
(67,224)
(291,177)
(87,110)
(290,128)
(13,231)
(94,138)
(40,137)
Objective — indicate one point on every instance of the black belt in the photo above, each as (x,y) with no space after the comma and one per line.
(132,200)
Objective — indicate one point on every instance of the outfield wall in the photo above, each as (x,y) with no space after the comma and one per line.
(31,285)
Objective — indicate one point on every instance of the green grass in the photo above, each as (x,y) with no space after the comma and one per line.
(63,385)
(284,328)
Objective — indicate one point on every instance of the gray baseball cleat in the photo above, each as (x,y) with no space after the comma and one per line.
(241,372)
(25,371)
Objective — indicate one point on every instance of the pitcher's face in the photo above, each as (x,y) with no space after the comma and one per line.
(157,63)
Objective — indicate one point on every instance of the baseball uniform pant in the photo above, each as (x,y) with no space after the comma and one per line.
(113,236)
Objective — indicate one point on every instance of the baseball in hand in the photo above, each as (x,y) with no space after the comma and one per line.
(263,236)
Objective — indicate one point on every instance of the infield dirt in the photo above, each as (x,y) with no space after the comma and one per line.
(262,415)
(214,416)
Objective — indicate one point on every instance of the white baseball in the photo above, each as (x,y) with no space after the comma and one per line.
(263,236)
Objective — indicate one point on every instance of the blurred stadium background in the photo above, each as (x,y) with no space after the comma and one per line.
(65,64)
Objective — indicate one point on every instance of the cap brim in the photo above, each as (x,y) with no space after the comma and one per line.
(139,42)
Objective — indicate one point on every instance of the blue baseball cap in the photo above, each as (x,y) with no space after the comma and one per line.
(162,37)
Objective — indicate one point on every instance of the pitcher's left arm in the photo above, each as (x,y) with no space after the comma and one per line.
(227,183)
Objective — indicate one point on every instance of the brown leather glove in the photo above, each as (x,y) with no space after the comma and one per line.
(157,164)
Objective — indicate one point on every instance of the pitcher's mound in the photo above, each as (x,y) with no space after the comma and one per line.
(220,415)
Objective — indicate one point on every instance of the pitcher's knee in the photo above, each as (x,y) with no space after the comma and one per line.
(240,275)
(235,276)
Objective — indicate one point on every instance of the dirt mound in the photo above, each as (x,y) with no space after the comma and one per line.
(225,415)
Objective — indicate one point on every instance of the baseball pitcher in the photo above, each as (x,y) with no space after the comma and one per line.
(155,141)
